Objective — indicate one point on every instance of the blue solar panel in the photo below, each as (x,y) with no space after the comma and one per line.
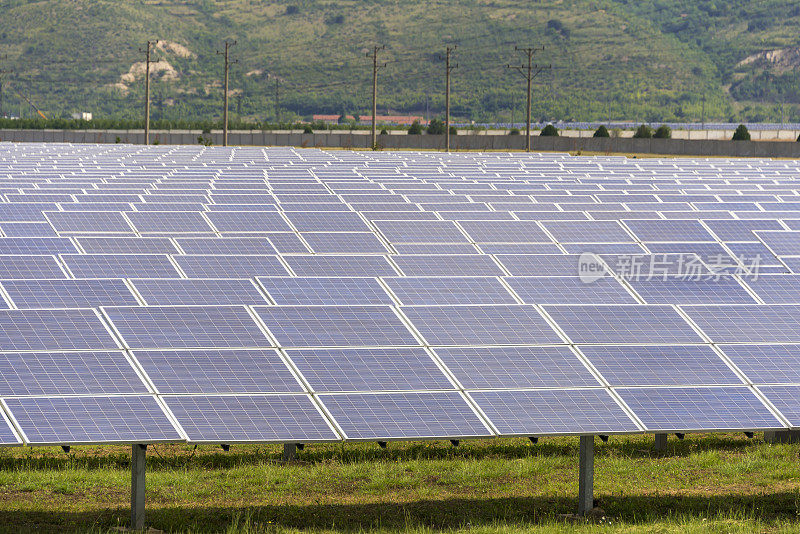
(776,288)
(247,418)
(669,231)
(21,267)
(164,327)
(541,264)
(748,324)
(505,232)
(89,222)
(537,413)
(692,290)
(76,420)
(699,409)
(327,221)
(218,371)
(781,243)
(421,232)
(168,222)
(120,265)
(126,245)
(587,231)
(448,265)
(373,369)
(226,245)
(569,290)
(48,294)
(42,330)
(28,229)
(387,416)
(481,325)
(449,290)
(335,326)
(741,230)
(36,245)
(516,367)
(668,365)
(346,266)
(230,266)
(623,324)
(248,221)
(787,401)
(766,364)
(345,243)
(67,373)
(325,291)
(199,291)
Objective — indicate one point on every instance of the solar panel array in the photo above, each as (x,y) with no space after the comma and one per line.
(162,294)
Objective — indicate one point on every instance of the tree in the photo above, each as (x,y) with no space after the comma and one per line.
(453,130)
(663,132)
(307,129)
(643,132)
(602,131)
(436,127)
(741,133)
(415,128)
(549,131)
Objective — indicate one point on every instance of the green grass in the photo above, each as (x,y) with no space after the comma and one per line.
(703,484)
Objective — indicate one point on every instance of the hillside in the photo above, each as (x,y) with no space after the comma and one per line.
(624,59)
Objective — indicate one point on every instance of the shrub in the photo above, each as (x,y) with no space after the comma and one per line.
(741,133)
(292,10)
(513,131)
(643,132)
(549,131)
(415,128)
(384,131)
(453,130)
(663,132)
(436,127)
(602,131)
(307,129)
(798,138)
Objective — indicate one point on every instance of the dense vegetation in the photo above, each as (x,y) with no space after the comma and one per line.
(637,60)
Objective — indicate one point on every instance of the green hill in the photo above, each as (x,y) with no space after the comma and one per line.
(636,59)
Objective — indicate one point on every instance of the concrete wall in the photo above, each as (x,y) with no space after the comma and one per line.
(343,139)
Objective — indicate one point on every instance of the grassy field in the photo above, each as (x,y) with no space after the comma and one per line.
(724,483)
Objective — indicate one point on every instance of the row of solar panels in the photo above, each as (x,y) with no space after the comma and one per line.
(41,292)
(366,394)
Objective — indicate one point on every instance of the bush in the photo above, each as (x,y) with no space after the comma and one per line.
(602,131)
(663,132)
(384,132)
(453,130)
(798,138)
(549,131)
(415,128)
(741,133)
(436,127)
(513,131)
(292,10)
(643,132)
(307,129)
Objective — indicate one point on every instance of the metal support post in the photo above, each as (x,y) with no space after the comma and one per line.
(137,486)
(586,475)
(661,442)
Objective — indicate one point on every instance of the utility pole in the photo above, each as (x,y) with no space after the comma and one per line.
(146,52)
(375,67)
(448,69)
(277,103)
(529,72)
(228,62)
